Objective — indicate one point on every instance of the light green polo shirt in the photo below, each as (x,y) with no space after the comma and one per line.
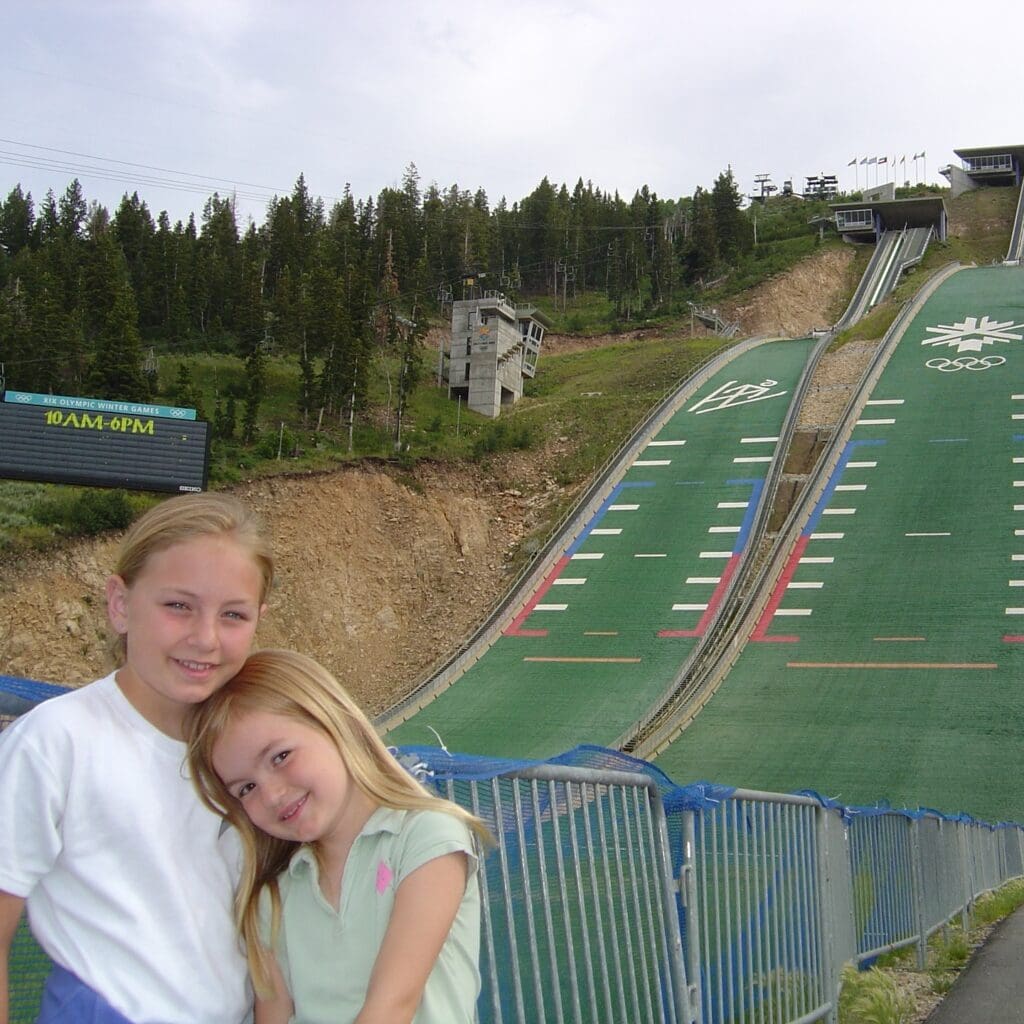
(327,955)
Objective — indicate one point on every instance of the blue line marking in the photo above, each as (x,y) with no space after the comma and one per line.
(756,486)
(830,487)
(599,514)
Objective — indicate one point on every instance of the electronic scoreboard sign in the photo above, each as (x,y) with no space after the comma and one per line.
(98,443)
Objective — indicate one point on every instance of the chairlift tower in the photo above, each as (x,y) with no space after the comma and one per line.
(765,188)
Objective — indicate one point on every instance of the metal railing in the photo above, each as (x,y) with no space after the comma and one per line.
(1015,253)
(579,914)
(775,893)
(783,891)
(613,896)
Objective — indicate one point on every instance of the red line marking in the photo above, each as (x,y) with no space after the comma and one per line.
(513,628)
(709,612)
(1013,639)
(758,636)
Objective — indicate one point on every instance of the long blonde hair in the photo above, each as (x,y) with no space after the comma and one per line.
(185,517)
(291,685)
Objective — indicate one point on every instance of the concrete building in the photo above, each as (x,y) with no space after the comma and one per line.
(494,347)
(869,219)
(985,165)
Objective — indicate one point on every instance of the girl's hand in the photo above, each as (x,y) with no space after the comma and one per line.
(425,906)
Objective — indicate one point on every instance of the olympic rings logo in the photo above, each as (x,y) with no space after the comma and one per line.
(965,363)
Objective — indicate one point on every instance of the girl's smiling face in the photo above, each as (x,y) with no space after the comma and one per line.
(290,779)
(189,618)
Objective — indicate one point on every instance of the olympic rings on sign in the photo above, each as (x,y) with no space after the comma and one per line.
(965,363)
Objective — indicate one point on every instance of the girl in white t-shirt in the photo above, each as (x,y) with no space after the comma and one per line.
(126,876)
(359,899)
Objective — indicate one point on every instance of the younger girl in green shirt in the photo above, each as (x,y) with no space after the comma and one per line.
(359,899)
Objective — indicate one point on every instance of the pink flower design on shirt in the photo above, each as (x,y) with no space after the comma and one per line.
(384,876)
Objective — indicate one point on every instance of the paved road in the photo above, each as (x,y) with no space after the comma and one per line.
(991,989)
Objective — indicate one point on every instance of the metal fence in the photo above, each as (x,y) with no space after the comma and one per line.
(613,896)
(580,919)
(765,896)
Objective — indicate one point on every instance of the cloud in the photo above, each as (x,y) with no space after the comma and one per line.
(495,95)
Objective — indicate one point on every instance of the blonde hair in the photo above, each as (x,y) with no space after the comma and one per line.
(183,518)
(291,685)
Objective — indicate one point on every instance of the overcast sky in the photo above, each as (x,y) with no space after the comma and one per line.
(246,94)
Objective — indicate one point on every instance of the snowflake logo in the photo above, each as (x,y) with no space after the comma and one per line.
(973,334)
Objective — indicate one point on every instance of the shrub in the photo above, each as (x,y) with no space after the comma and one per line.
(86,512)
(994,906)
(269,444)
(502,437)
(870,997)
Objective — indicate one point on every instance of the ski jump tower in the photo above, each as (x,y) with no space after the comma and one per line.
(494,347)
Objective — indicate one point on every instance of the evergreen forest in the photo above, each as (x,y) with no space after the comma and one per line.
(312,316)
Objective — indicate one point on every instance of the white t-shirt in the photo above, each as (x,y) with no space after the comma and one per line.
(128,878)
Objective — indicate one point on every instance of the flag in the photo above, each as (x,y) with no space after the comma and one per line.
(883,159)
(872,160)
(922,154)
(863,161)
(903,159)
(852,163)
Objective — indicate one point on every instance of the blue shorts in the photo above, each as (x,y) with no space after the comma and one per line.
(66,1000)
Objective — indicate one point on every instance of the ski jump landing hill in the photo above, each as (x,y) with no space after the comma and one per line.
(877,655)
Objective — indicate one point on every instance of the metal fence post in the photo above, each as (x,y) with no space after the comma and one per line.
(965,879)
(916,874)
(688,883)
(826,912)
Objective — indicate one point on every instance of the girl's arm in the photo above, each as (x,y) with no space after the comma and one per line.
(425,906)
(11,908)
(277,1010)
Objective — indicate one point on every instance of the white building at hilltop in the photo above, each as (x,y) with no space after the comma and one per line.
(494,347)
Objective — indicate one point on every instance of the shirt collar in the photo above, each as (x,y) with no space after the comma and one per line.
(384,819)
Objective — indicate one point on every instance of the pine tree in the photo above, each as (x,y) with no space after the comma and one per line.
(732,229)
(410,370)
(230,418)
(116,370)
(255,391)
(217,268)
(135,233)
(16,336)
(186,393)
(47,224)
(700,250)
(72,210)
(17,218)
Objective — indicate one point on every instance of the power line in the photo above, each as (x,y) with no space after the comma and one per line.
(128,163)
(135,174)
(182,182)
(111,174)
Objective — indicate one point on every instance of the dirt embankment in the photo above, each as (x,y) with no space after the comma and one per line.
(379,575)
(376,577)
